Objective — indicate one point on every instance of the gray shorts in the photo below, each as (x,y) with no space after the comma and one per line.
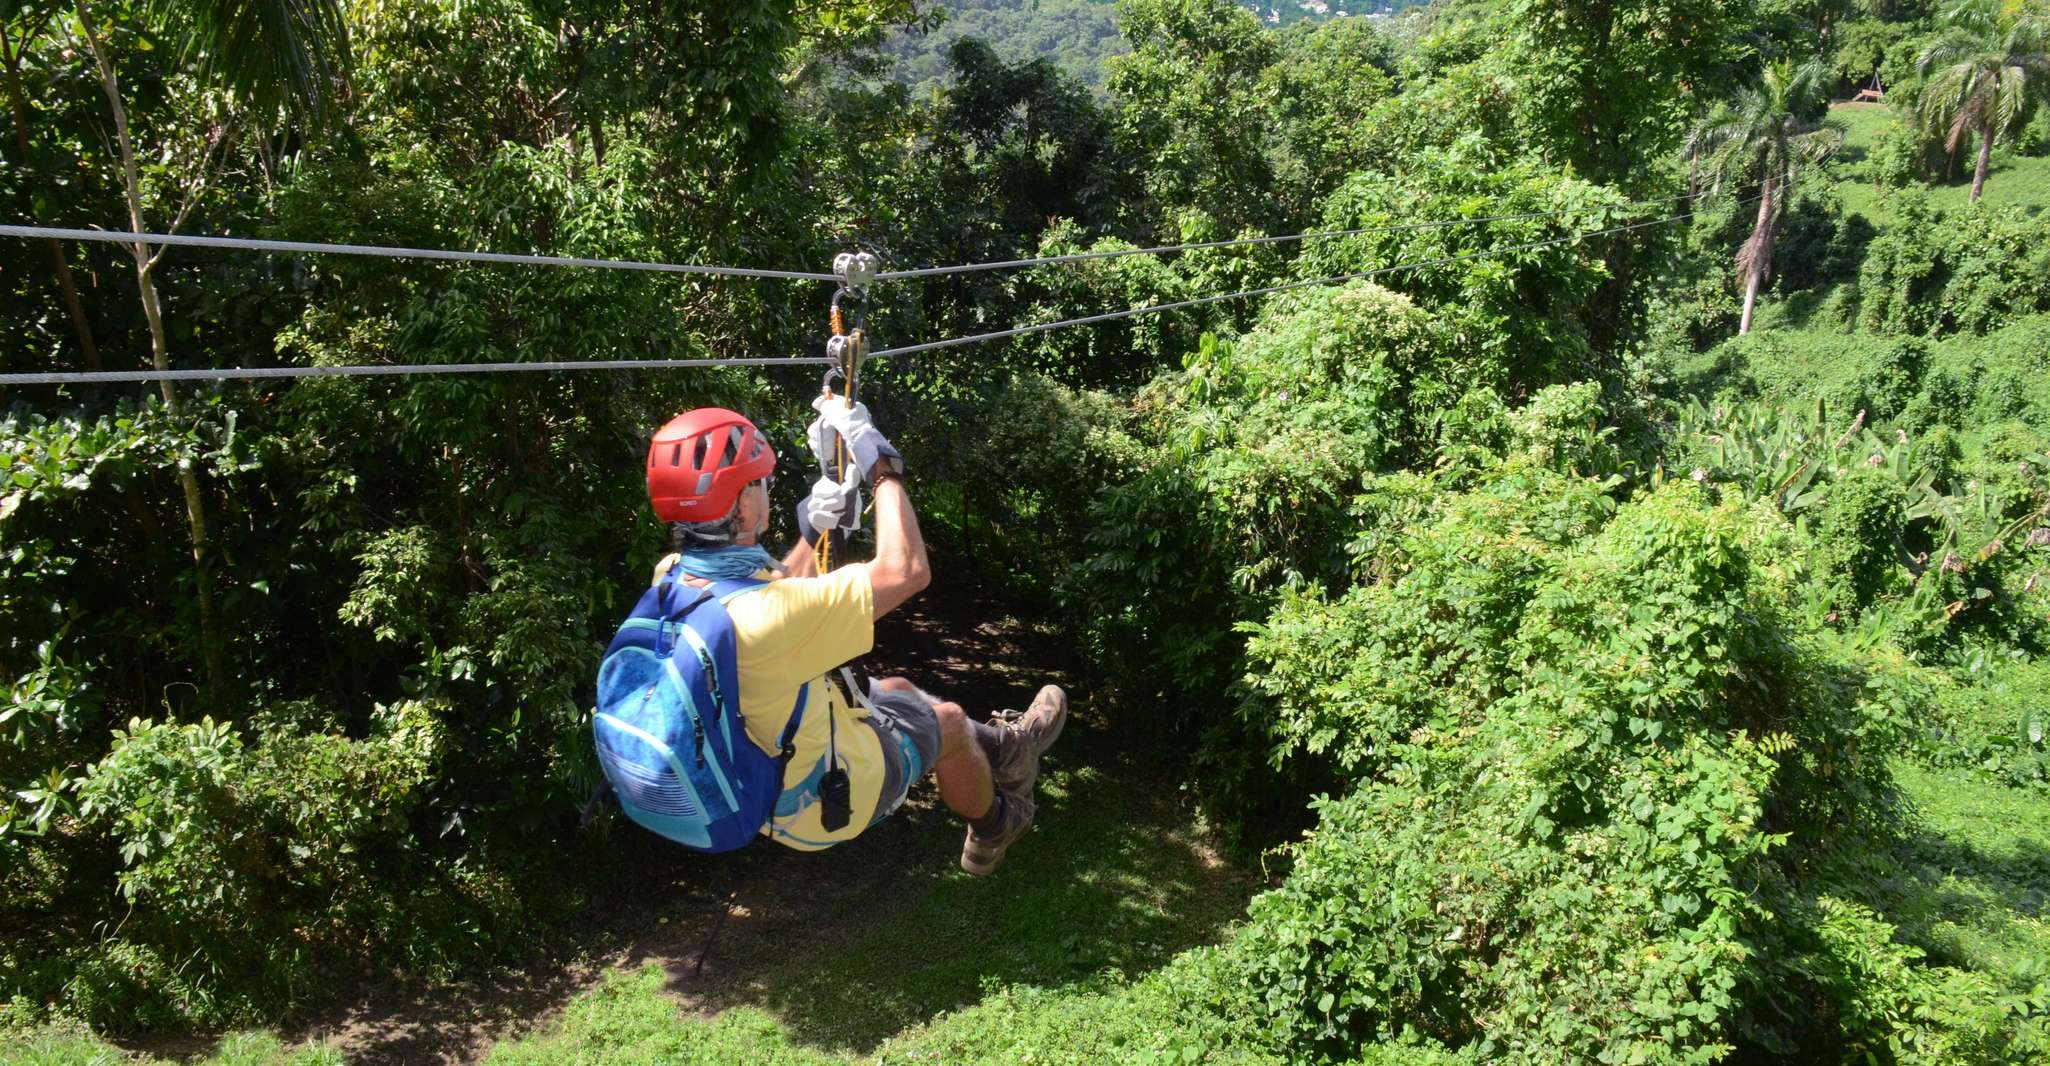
(910,732)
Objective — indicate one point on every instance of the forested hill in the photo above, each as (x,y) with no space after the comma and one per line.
(1077,35)
(1290,12)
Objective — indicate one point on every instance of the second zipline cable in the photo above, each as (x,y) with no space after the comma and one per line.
(1240,242)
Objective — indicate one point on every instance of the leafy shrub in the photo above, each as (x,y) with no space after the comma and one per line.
(1905,154)
(1856,550)
(1122,352)
(1584,743)
(1999,727)
(1935,273)
(250,867)
(1519,317)
(1886,1004)
(1004,466)
(1819,244)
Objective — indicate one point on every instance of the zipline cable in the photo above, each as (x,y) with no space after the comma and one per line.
(384,251)
(384,370)
(1404,227)
(504,258)
(1200,301)
(390,370)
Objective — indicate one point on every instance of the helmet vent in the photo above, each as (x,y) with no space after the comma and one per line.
(704,484)
(676,455)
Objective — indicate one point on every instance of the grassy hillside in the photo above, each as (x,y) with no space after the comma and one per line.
(2013,179)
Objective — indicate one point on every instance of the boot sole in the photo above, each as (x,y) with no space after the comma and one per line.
(1046,742)
(1060,722)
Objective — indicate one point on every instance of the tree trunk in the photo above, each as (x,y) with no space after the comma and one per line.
(160,358)
(1756,256)
(1985,157)
(18,103)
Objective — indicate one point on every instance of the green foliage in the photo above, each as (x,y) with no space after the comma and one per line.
(1898,1011)
(1188,96)
(1606,86)
(1820,244)
(1999,727)
(248,865)
(1858,48)
(1250,456)
(1986,73)
(1855,536)
(1517,318)
(627,1020)
(1935,273)
(1078,36)
(1900,556)
(1573,775)
(62,1048)
(1326,85)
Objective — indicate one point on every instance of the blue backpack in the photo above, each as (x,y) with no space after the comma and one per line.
(669,731)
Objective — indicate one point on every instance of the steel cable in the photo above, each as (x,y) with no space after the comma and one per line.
(1080,257)
(388,370)
(1200,301)
(388,252)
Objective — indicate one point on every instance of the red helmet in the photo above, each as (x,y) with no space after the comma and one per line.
(699,462)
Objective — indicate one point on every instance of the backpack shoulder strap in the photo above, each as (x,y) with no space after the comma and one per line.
(786,744)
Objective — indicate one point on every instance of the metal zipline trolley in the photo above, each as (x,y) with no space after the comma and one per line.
(846,350)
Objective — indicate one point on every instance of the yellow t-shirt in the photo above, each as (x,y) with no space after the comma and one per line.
(787,634)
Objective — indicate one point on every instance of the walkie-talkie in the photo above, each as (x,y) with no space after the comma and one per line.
(836,793)
(836,800)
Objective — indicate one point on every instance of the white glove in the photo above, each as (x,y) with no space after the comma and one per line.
(866,445)
(831,505)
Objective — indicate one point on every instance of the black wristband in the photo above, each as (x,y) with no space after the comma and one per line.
(805,532)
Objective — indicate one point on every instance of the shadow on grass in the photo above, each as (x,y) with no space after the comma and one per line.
(1966,900)
(1113,877)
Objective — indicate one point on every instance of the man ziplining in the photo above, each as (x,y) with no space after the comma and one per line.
(815,763)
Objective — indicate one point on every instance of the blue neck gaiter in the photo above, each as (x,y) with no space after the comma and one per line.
(729,563)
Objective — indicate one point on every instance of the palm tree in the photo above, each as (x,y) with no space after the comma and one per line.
(1985,73)
(269,56)
(1769,135)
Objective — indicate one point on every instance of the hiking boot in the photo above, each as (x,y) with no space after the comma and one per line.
(1015,769)
(980,854)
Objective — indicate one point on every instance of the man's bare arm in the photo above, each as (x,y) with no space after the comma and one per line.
(900,569)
